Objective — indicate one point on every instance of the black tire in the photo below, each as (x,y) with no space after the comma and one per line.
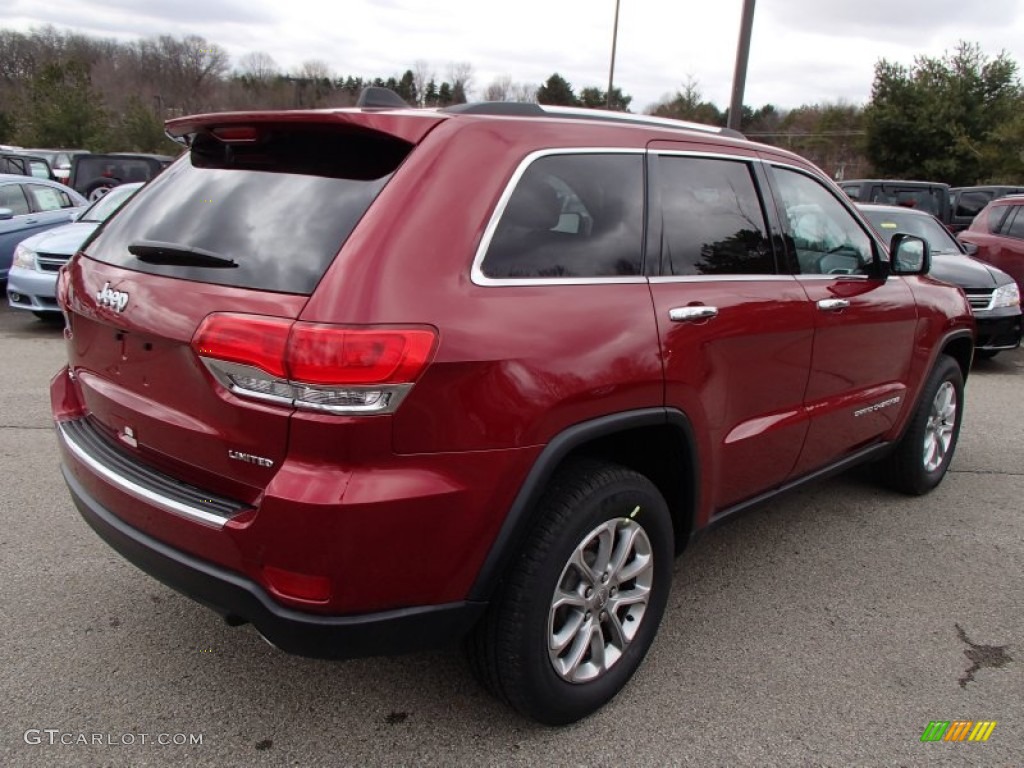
(917,466)
(509,648)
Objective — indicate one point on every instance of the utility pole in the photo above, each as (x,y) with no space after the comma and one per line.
(611,69)
(739,79)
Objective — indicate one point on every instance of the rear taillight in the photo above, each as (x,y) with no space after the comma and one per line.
(339,369)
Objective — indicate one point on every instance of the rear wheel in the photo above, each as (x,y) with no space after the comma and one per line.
(925,451)
(581,605)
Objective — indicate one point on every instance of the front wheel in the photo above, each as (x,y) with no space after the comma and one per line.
(925,451)
(580,608)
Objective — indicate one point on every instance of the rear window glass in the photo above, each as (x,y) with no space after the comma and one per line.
(572,216)
(270,215)
(928,199)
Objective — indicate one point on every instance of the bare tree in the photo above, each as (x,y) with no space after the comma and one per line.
(422,74)
(500,89)
(259,67)
(525,92)
(460,75)
(315,69)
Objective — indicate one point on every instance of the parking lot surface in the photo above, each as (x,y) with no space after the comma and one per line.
(829,628)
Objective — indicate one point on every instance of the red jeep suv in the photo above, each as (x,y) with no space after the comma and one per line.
(377,379)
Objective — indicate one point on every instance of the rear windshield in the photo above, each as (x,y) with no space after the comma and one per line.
(120,169)
(269,215)
(928,199)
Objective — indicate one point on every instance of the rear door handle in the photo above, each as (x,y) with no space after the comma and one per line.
(832,305)
(689,314)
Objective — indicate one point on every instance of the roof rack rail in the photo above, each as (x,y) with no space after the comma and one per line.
(374,96)
(512,108)
(528,109)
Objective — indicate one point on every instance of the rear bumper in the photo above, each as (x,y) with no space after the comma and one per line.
(239,599)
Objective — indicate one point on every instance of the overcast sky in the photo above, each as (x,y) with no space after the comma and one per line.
(803,51)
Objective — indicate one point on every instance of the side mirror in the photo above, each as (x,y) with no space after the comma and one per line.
(6,213)
(909,255)
(971,248)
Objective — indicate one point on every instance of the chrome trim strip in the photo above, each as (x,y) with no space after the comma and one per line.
(840,277)
(720,278)
(476,272)
(134,489)
(749,159)
(392,394)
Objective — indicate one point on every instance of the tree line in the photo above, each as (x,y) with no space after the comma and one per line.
(956,118)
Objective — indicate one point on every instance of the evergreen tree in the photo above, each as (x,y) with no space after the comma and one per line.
(557,91)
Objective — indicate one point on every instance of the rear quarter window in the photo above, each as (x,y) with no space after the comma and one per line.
(275,212)
(571,216)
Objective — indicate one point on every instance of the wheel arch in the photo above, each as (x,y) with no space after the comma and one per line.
(656,442)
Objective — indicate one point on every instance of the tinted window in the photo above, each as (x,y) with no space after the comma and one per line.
(922,198)
(712,218)
(14,165)
(571,216)
(853,190)
(277,210)
(971,203)
(11,196)
(825,237)
(999,218)
(1015,228)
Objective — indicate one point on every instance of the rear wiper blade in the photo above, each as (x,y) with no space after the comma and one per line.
(155,252)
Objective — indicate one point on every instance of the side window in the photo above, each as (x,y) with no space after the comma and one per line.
(48,198)
(1015,228)
(572,216)
(39,169)
(713,223)
(12,196)
(971,203)
(826,239)
(852,190)
(999,218)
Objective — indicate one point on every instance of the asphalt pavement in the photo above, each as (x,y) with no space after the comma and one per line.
(826,628)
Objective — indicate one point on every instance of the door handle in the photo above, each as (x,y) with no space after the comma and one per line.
(688,314)
(832,305)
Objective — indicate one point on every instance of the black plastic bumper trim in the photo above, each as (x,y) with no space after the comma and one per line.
(235,596)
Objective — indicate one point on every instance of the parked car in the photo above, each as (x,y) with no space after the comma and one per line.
(59,160)
(929,196)
(968,202)
(22,164)
(997,235)
(375,379)
(993,294)
(29,206)
(93,175)
(32,282)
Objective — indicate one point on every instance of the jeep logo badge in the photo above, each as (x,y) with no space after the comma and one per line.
(108,297)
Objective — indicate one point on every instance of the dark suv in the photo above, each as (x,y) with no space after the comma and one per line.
(377,379)
(929,196)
